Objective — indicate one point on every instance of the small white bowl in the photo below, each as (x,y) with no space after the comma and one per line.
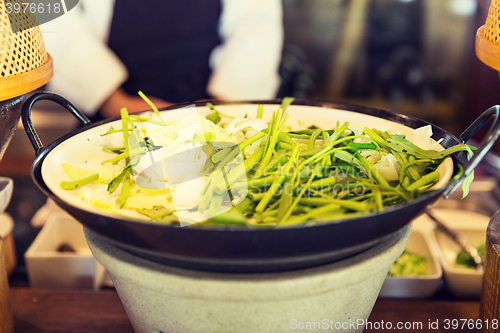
(49,268)
(462,282)
(424,286)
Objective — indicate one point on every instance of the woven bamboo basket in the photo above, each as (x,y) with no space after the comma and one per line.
(488,38)
(24,64)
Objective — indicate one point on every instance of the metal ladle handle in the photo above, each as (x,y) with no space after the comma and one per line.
(460,239)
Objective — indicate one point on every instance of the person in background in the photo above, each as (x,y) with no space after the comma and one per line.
(105,51)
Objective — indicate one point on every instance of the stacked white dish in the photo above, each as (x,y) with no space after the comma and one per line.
(441,253)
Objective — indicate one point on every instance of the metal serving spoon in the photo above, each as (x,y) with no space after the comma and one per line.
(460,239)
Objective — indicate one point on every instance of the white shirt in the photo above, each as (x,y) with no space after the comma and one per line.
(244,67)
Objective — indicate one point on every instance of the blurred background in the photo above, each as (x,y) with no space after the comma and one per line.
(412,56)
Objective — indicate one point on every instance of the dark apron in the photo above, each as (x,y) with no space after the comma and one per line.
(166,45)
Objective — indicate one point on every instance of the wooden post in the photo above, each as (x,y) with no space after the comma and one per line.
(490,294)
(6,321)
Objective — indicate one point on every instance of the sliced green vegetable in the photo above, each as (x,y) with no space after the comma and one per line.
(113,185)
(214,117)
(124,192)
(73,185)
(409,264)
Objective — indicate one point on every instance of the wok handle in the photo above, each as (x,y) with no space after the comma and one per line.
(26,115)
(484,146)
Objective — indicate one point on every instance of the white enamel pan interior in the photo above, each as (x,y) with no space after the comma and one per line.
(85,149)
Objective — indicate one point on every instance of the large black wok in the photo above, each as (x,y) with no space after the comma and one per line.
(258,250)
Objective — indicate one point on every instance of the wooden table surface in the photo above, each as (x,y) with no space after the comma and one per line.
(50,311)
